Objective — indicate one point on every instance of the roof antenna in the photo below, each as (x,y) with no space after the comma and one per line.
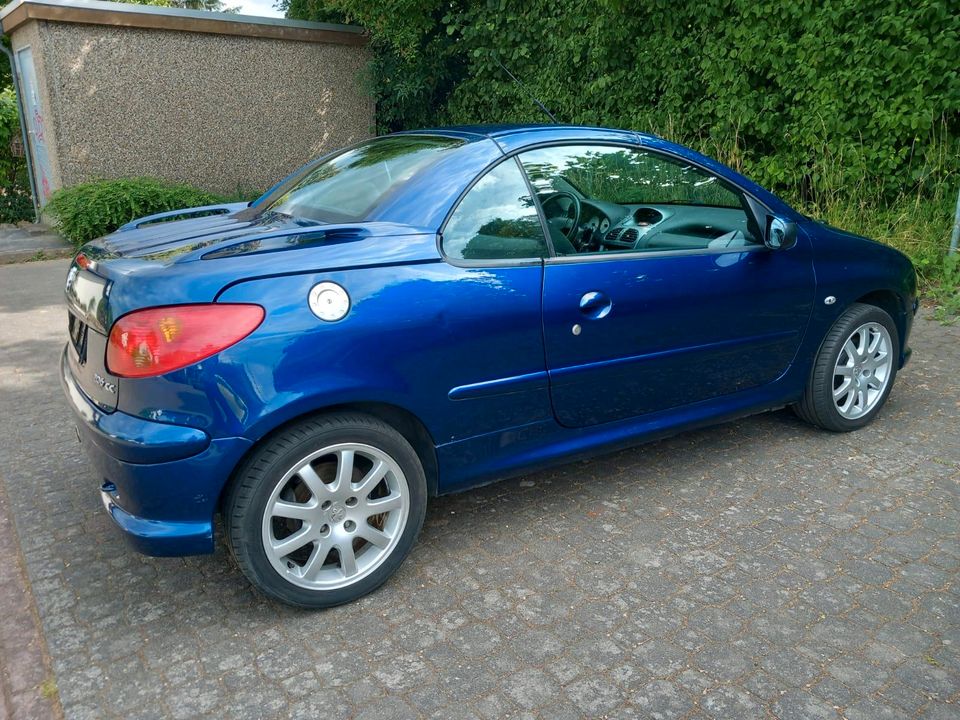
(524,88)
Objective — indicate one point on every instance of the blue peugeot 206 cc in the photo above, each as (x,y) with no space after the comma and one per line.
(428,311)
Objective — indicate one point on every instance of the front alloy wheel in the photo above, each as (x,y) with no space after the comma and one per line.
(326,510)
(853,372)
(863,370)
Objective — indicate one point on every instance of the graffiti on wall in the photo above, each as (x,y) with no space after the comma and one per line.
(35,124)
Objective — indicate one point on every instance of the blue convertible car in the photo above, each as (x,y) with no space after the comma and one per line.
(428,311)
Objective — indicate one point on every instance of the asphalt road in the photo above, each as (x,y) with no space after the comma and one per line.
(757,569)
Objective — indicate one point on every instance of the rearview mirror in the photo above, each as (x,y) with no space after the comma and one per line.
(781,235)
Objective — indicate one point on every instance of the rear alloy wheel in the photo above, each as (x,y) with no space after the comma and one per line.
(326,511)
(853,372)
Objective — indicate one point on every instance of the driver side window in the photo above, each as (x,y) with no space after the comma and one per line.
(612,199)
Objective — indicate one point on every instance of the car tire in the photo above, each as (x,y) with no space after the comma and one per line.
(312,489)
(850,381)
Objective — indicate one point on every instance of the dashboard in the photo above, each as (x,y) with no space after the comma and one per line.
(626,234)
(611,227)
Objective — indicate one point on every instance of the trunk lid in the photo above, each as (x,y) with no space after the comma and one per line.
(87,348)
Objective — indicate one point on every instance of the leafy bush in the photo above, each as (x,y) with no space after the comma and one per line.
(88,211)
(867,85)
(15,203)
(10,166)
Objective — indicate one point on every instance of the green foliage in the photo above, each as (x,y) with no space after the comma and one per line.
(946,293)
(10,166)
(871,82)
(15,203)
(416,61)
(88,211)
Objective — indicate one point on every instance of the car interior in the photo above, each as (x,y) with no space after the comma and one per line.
(598,199)
(580,223)
(584,225)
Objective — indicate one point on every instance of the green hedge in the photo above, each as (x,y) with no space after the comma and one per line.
(91,210)
(15,202)
(803,97)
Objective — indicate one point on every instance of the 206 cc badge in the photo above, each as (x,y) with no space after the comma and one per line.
(329,302)
(108,386)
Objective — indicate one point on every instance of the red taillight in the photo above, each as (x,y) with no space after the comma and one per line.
(159,340)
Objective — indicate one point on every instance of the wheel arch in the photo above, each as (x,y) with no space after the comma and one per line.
(892,304)
(403,421)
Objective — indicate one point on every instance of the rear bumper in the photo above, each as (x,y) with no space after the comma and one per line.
(160,482)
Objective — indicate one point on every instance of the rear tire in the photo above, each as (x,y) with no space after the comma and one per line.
(325,511)
(854,371)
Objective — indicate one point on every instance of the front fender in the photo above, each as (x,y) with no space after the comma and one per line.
(852,269)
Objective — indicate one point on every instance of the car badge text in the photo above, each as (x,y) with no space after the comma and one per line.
(108,386)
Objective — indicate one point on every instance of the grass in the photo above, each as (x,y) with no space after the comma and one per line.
(918,227)
(48,689)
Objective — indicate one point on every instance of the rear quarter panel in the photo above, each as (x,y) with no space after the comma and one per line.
(413,333)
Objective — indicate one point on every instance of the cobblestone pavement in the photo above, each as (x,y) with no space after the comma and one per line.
(757,569)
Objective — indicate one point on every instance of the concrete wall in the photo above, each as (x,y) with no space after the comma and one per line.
(226,110)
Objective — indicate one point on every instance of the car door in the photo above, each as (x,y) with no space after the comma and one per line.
(677,301)
(490,342)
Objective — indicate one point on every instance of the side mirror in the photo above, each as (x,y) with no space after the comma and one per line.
(780,235)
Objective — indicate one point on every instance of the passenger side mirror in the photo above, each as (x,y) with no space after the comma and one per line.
(780,235)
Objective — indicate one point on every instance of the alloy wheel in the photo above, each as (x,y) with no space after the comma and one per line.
(335,516)
(863,370)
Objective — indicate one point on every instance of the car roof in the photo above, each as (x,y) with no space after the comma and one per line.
(510,136)
(502,129)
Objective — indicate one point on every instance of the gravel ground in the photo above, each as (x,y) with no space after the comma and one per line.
(757,569)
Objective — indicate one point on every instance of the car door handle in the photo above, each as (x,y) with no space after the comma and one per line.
(595,305)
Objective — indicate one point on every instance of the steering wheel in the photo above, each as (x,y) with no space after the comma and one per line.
(564,223)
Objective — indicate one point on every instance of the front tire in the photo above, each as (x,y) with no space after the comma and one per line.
(854,370)
(325,511)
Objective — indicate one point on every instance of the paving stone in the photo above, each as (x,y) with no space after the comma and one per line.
(531,688)
(389,707)
(790,666)
(662,700)
(928,677)
(871,709)
(660,658)
(859,673)
(724,662)
(799,705)
(730,702)
(594,695)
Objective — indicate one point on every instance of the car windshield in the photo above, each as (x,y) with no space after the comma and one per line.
(346,187)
